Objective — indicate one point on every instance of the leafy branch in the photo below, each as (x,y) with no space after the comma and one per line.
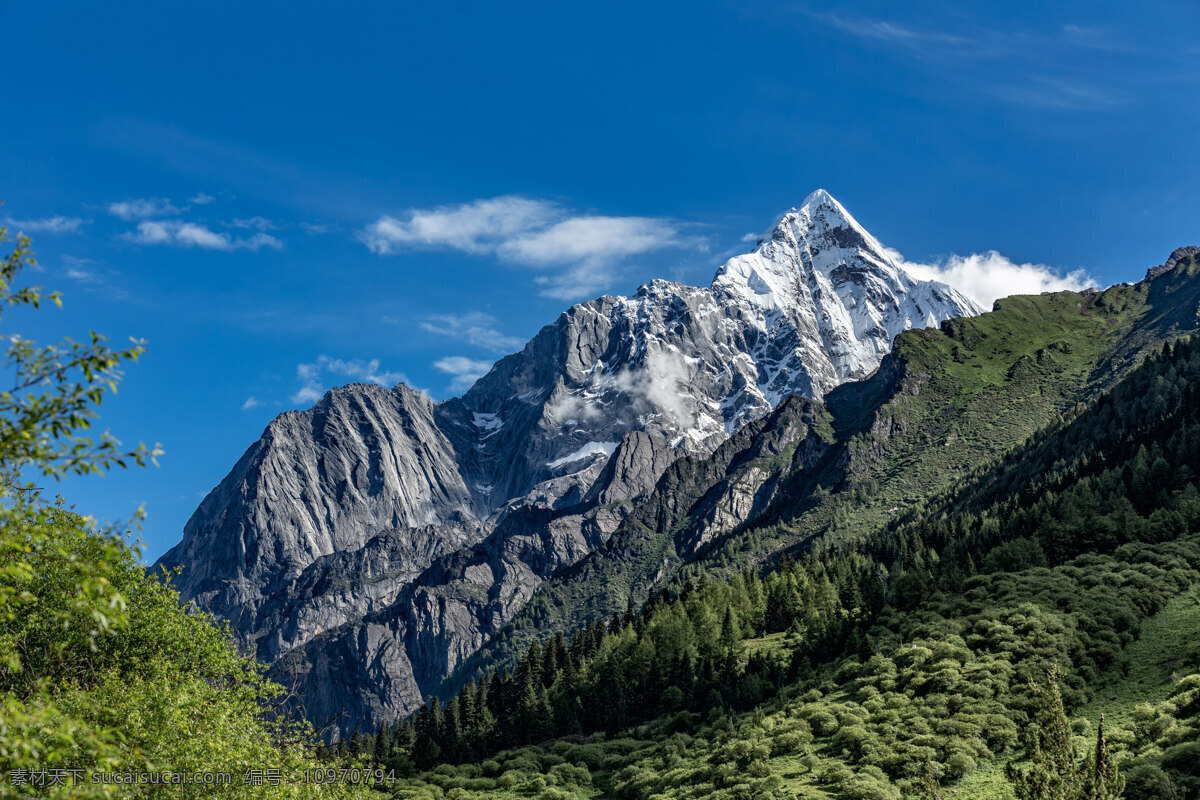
(47,414)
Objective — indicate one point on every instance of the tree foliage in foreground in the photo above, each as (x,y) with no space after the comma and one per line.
(57,389)
(100,668)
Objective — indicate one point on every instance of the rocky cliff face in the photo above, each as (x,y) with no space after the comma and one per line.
(368,545)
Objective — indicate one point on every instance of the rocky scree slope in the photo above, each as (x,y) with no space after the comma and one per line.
(366,546)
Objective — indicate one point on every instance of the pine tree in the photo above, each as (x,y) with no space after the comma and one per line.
(730,643)
(1101,778)
(437,720)
(467,708)
(1052,773)
(929,788)
(452,734)
(383,743)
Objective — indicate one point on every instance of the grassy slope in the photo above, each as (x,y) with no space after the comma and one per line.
(975,389)
(1167,643)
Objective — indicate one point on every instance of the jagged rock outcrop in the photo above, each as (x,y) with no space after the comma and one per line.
(1178,255)
(364,459)
(377,539)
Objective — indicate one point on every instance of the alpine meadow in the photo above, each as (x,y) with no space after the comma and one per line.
(533,426)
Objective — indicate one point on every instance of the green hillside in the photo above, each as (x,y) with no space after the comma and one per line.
(945,403)
(899,661)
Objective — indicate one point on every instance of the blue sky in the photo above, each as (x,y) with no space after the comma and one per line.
(281,197)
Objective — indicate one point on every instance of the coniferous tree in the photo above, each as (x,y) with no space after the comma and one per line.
(1052,773)
(383,743)
(929,788)
(1101,778)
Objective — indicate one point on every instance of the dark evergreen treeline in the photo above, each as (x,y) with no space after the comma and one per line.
(1119,472)
(681,652)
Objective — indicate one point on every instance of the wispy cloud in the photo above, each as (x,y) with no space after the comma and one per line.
(56,224)
(1069,94)
(1067,68)
(316,376)
(310,192)
(203,199)
(251,403)
(465,371)
(986,277)
(141,208)
(191,234)
(83,275)
(254,224)
(922,43)
(94,278)
(81,270)
(317,228)
(474,328)
(575,251)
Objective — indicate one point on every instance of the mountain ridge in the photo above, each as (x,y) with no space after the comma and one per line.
(945,401)
(512,477)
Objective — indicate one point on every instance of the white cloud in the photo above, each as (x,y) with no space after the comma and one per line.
(657,386)
(254,223)
(584,280)
(474,328)
(56,224)
(535,233)
(654,388)
(587,238)
(465,371)
(317,228)
(564,405)
(986,277)
(83,275)
(140,208)
(307,394)
(314,376)
(191,234)
(251,402)
(82,270)
(478,227)
(93,277)
(203,199)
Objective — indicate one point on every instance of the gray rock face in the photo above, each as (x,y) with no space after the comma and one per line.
(429,625)
(368,545)
(364,459)
(1178,255)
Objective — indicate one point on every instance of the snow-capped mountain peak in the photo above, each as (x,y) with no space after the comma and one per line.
(819,238)
(821,273)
